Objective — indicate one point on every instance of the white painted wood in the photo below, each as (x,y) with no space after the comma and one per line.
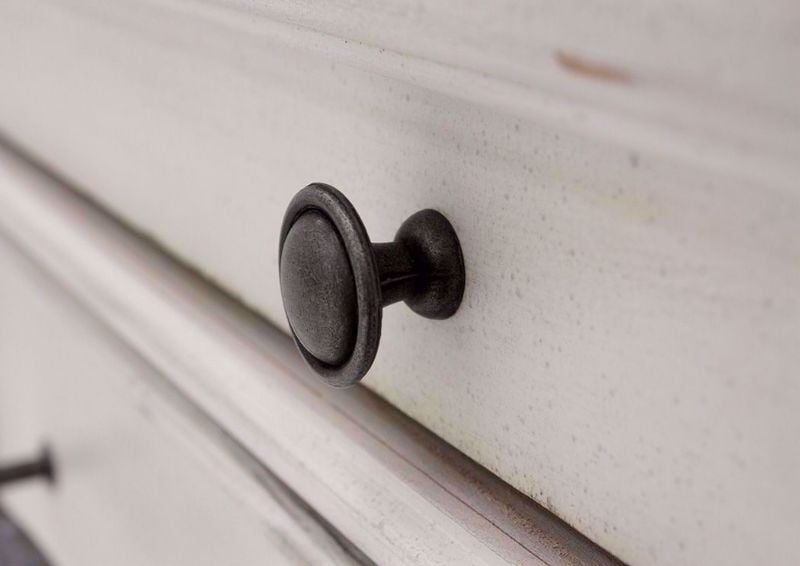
(623,177)
(141,478)
(395,491)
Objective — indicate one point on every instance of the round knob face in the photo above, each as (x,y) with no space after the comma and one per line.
(335,282)
(318,287)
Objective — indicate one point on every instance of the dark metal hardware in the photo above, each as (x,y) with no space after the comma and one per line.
(41,467)
(335,282)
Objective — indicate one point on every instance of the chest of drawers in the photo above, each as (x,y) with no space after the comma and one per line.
(622,179)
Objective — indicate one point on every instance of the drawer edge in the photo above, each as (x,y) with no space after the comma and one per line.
(349,455)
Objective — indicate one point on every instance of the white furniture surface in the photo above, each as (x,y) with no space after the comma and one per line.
(140,478)
(353,473)
(623,177)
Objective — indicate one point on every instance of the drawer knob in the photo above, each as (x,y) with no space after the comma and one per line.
(40,467)
(335,282)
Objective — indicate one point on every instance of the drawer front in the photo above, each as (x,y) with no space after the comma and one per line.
(625,353)
(142,478)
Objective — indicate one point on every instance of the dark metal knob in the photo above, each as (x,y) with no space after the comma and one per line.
(40,467)
(335,282)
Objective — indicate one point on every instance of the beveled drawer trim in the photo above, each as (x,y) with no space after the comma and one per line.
(671,93)
(140,470)
(389,486)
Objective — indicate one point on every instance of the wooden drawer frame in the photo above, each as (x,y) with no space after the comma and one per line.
(391,488)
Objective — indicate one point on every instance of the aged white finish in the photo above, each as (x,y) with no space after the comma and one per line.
(623,176)
(389,487)
(141,477)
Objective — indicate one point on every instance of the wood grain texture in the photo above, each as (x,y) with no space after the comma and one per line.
(627,349)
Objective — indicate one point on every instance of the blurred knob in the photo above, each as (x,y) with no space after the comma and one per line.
(40,467)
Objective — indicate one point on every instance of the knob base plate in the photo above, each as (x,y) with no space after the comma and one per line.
(439,286)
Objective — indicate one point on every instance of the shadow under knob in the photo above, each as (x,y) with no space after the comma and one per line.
(335,282)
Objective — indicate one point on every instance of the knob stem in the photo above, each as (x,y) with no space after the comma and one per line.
(397,271)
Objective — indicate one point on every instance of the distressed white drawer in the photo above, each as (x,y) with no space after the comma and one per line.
(622,177)
(339,476)
(142,476)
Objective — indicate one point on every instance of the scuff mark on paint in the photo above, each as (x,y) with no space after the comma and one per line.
(592,69)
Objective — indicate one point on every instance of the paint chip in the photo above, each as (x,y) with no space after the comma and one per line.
(592,69)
